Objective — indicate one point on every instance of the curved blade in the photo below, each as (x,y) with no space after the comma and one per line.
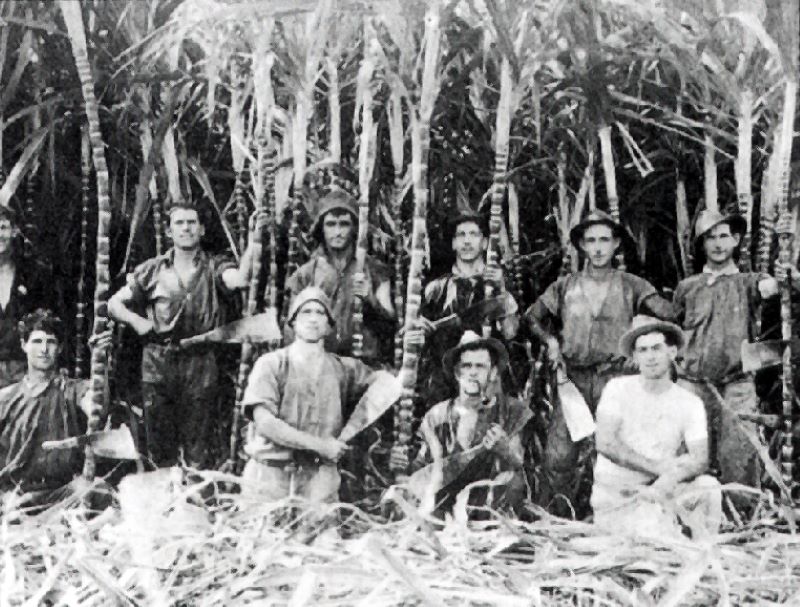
(259,328)
(382,393)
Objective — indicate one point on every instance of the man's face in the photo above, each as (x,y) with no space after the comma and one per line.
(474,372)
(719,243)
(6,235)
(311,322)
(469,243)
(185,228)
(338,229)
(599,245)
(42,350)
(653,355)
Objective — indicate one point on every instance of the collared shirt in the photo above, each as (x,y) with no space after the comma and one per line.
(30,415)
(588,339)
(312,404)
(717,311)
(178,309)
(338,286)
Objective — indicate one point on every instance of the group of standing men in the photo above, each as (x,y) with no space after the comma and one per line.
(297,397)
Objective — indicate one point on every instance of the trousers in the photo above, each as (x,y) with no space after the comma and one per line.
(269,483)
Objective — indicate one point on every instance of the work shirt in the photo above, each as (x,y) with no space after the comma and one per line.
(588,339)
(312,404)
(338,286)
(28,292)
(30,415)
(178,310)
(717,311)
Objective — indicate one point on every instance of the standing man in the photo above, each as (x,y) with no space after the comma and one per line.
(43,406)
(717,310)
(652,443)
(295,400)
(454,293)
(170,297)
(22,290)
(581,318)
(332,268)
(478,417)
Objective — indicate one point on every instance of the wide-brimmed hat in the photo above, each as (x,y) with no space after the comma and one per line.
(708,219)
(467,216)
(472,341)
(306,295)
(595,218)
(642,325)
(335,200)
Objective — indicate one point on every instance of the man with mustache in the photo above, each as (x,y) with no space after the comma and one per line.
(717,310)
(332,268)
(581,317)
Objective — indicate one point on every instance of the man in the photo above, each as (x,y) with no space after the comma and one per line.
(21,291)
(588,311)
(717,310)
(332,268)
(182,293)
(479,418)
(652,443)
(43,406)
(455,293)
(295,399)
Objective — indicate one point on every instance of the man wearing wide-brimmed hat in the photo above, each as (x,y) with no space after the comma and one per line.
(479,418)
(332,268)
(652,443)
(295,400)
(580,317)
(457,292)
(718,311)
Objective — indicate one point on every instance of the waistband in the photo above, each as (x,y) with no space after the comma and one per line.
(300,458)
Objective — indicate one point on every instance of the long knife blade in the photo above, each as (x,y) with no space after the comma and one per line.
(382,393)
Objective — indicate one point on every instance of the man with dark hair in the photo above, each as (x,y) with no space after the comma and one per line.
(296,398)
(581,318)
(43,406)
(478,417)
(652,443)
(21,291)
(455,293)
(718,311)
(332,268)
(181,293)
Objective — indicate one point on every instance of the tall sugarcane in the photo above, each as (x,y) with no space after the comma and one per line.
(74,22)
(366,162)
(609,172)
(785,232)
(768,210)
(743,172)
(394,115)
(80,309)
(420,147)
(710,173)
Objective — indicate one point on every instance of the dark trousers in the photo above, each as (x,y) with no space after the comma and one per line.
(178,392)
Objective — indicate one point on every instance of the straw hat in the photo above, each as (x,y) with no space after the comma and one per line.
(596,218)
(708,219)
(642,325)
(472,341)
(335,200)
(306,295)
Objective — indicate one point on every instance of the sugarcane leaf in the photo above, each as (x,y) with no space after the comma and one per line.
(21,166)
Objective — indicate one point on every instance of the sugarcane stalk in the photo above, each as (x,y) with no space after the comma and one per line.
(74,22)
(158,224)
(743,173)
(785,232)
(710,173)
(768,212)
(420,148)
(394,116)
(683,222)
(501,151)
(609,172)
(335,110)
(80,312)
(563,214)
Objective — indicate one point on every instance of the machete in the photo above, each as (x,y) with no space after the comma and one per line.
(259,328)
(113,444)
(382,393)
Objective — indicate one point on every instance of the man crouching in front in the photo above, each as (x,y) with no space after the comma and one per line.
(652,443)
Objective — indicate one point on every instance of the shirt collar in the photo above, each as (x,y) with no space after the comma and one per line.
(33,390)
(728,269)
(479,269)
(169,256)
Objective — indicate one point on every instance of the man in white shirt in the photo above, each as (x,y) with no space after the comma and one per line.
(652,443)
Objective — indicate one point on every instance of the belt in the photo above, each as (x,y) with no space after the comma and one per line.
(300,458)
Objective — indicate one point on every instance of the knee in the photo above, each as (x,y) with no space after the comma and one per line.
(707,483)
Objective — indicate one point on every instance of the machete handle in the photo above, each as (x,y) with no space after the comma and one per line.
(66,443)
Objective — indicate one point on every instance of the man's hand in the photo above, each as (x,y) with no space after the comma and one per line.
(783,271)
(142,326)
(361,286)
(420,332)
(554,352)
(494,275)
(258,221)
(495,439)
(102,341)
(398,458)
(331,449)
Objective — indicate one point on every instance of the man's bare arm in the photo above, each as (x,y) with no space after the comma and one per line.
(687,466)
(278,431)
(610,444)
(119,310)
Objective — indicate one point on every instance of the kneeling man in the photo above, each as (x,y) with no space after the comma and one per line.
(652,443)
(475,435)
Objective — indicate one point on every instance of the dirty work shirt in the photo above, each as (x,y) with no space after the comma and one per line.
(587,338)
(30,415)
(315,405)
(338,286)
(717,312)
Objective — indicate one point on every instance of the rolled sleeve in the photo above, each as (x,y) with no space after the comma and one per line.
(263,386)
(696,425)
(142,281)
(223,263)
